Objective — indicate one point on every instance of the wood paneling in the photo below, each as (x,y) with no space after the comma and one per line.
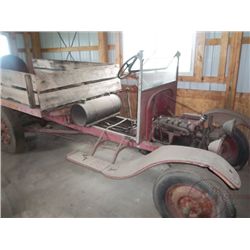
(18,95)
(59,79)
(36,45)
(69,49)
(65,96)
(199,55)
(28,54)
(15,78)
(223,54)
(199,100)
(103,46)
(233,70)
(118,48)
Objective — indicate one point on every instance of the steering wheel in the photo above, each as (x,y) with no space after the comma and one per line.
(127,67)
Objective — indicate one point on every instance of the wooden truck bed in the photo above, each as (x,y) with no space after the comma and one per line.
(56,83)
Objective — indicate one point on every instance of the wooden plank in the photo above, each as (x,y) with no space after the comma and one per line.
(118,48)
(17,95)
(28,54)
(233,69)
(212,79)
(66,96)
(246,40)
(52,80)
(223,54)
(111,46)
(213,41)
(215,79)
(69,49)
(16,78)
(30,91)
(103,46)
(199,55)
(36,44)
(217,41)
(186,78)
(61,64)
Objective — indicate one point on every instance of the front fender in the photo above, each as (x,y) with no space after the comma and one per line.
(220,116)
(163,155)
(177,154)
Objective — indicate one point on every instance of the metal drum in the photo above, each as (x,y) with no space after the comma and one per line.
(95,110)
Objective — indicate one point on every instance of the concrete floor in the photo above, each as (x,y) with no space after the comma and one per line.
(42,183)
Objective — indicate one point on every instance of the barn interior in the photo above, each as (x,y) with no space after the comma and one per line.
(213,74)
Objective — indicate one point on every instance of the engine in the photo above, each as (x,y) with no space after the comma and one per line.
(186,130)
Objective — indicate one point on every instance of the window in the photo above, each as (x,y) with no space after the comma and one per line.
(4,46)
(161,44)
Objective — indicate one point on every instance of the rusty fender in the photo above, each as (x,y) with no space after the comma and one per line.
(222,115)
(176,154)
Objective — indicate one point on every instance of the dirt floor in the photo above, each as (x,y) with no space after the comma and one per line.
(42,183)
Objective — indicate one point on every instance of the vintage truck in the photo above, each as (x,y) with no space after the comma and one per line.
(200,152)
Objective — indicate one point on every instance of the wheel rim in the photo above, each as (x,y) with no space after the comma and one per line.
(230,150)
(5,133)
(188,201)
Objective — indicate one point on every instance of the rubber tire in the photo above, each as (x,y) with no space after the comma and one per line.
(17,139)
(188,174)
(243,146)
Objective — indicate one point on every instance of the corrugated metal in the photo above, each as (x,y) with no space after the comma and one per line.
(53,40)
(211,60)
(111,37)
(111,56)
(243,85)
(246,34)
(202,86)
(211,35)
(19,41)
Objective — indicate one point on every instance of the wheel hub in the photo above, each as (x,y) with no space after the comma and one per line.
(188,201)
(5,134)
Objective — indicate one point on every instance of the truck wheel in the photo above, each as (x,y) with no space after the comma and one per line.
(12,133)
(235,149)
(190,191)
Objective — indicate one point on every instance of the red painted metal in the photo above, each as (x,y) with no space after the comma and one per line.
(61,116)
(229,150)
(51,131)
(21,107)
(5,133)
(155,102)
(97,131)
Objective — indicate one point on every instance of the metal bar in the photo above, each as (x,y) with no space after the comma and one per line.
(118,150)
(108,135)
(140,82)
(51,131)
